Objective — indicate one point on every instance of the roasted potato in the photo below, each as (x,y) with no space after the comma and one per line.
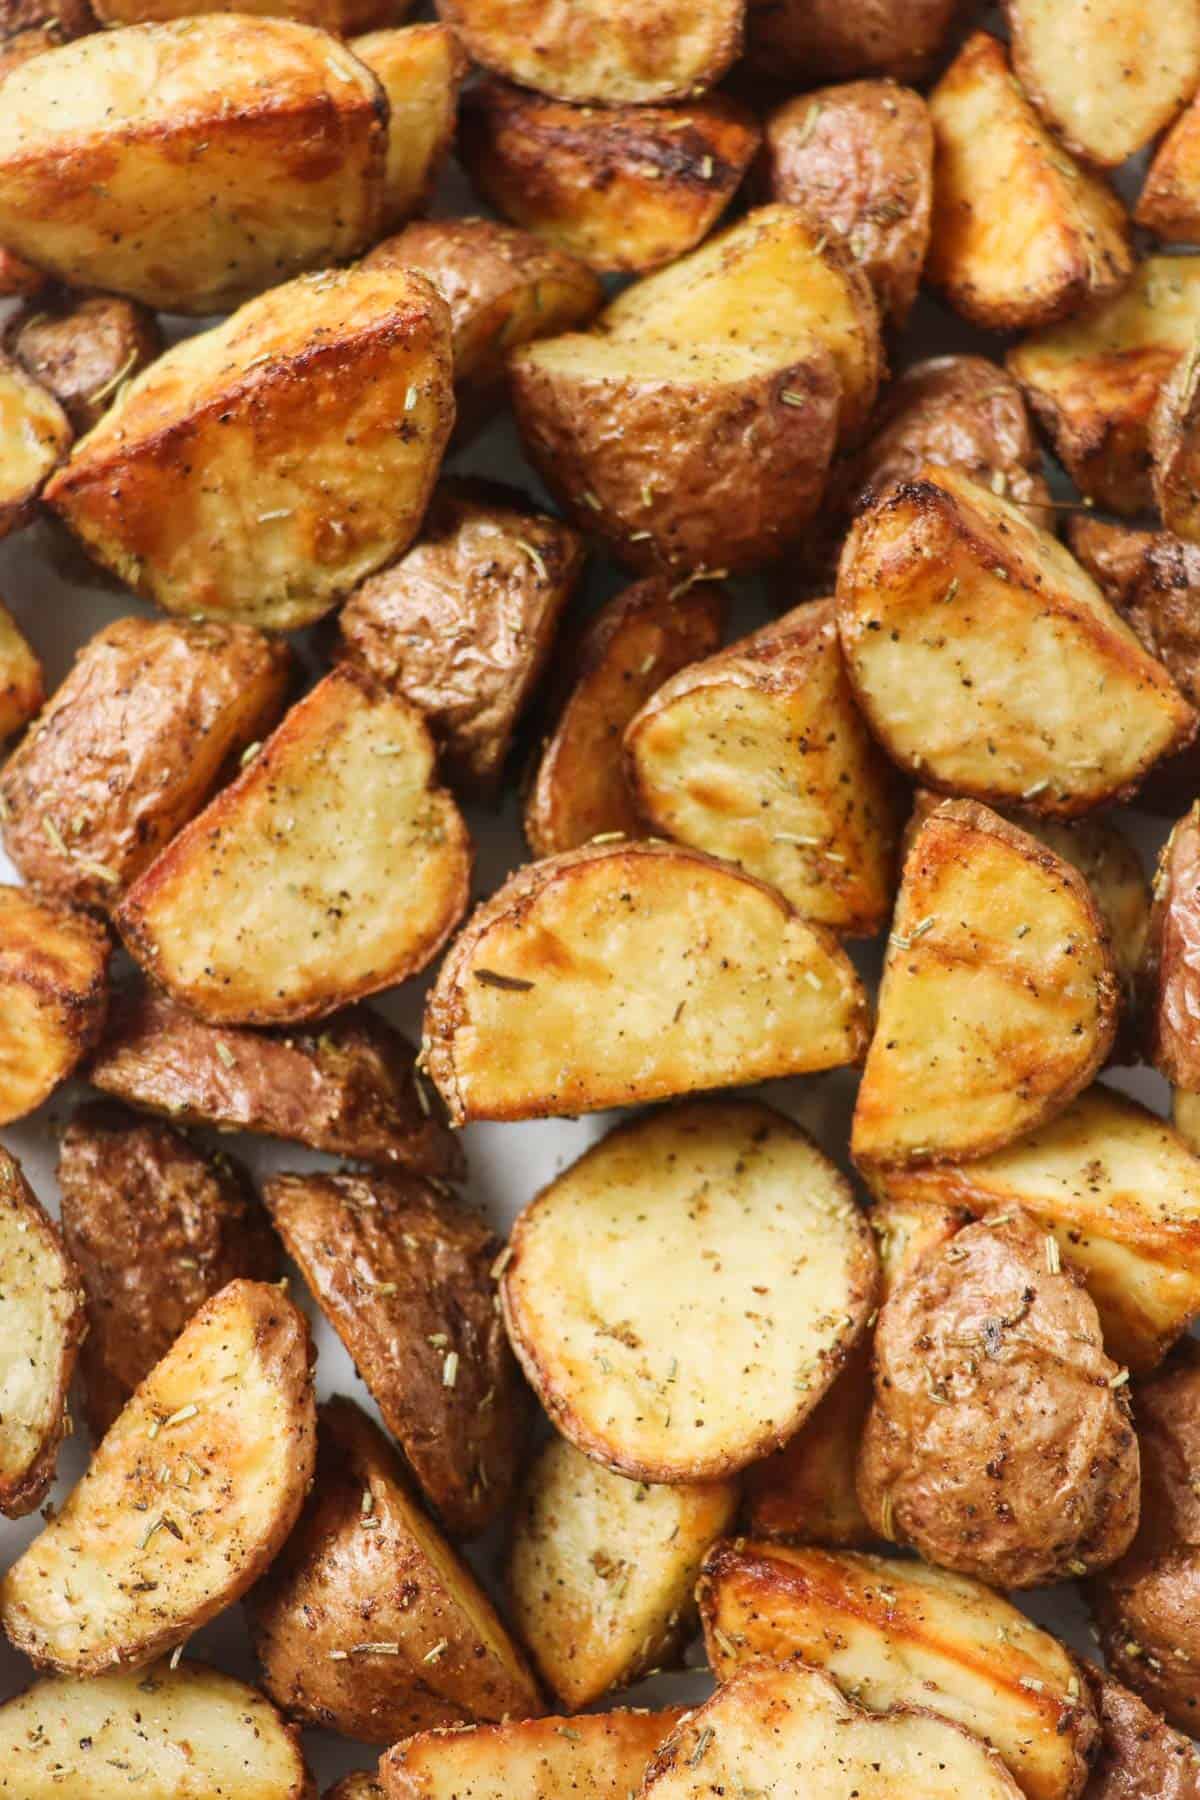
(186,1732)
(368,1622)
(601,1570)
(645,634)
(1171,977)
(573,989)
(19,280)
(155,1228)
(950,605)
(1009,267)
(464,623)
(35,435)
(859,159)
(807,1490)
(53,996)
(1093,381)
(350,1088)
(332,867)
(403,1273)
(894,1632)
(260,470)
(1139,1753)
(624,1291)
(340,17)
(626,190)
(420,70)
(84,348)
(360,1786)
(22,688)
(60,19)
(805,41)
(598,1756)
(759,754)
(1169,203)
(153,715)
(1175,447)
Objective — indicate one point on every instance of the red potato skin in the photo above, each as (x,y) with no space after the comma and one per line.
(1171,988)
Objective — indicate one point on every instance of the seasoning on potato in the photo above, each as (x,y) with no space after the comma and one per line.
(84,348)
(592,1756)
(808,41)
(1169,203)
(53,996)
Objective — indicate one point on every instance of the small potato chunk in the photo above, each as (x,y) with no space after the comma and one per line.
(156,1228)
(260,470)
(1175,447)
(626,190)
(22,689)
(128,1567)
(1139,1753)
(1009,267)
(629,648)
(625,1296)
(954,609)
(1172,984)
(332,867)
(629,972)
(60,19)
(189,1733)
(35,435)
(807,1490)
(760,755)
(420,70)
(403,1273)
(893,1632)
(368,1623)
(83,349)
(350,1088)
(806,41)
(602,1571)
(1169,204)
(999,996)
(463,625)
(859,159)
(151,718)
(597,1756)
(53,996)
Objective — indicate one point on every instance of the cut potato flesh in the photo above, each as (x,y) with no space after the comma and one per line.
(53,996)
(35,435)
(1169,203)
(21,684)
(187,1499)
(600,1756)
(807,1490)
(999,997)
(683,1295)
(420,68)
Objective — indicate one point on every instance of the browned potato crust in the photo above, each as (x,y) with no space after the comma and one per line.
(350,1088)
(1175,447)
(464,623)
(367,1622)
(35,436)
(805,41)
(360,1786)
(22,688)
(420,70)
(808,1490)
(1007,267)
(1141,1757)
(1172,977)
(404,1274)
(65,19)
(83,349)
(18,278)
(642,636)
(340,17)
(1169,204)
(153,715)
(156,1229)
(627,190)
(593,1756)
(53,996)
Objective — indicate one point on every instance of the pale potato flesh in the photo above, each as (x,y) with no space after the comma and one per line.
(420,69)
(35,435)
(53,996)
(21,681)
(597,1756)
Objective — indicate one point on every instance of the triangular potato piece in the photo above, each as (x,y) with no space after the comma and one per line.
(598,1756)
(628,972)
(999,997)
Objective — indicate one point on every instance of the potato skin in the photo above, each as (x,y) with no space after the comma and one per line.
(1141,1757)
(35,437)
(22,685)
(821,40)
(53,996)
(1169,203)
(1175,448)
(83,348)
(1009,1459)
(1171,986)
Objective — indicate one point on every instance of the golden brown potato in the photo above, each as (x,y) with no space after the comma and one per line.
(807,1490)
(596,1756)
(403,1271)
(368,1623)
(19,279)
(859,159)
(35,436)
(22,688)
(999,996)
(623,1292)
(260,470)
(420,70)
(1169,204)
(350,1088)
(951,605)
(1175,447)
(332,867)
(188,1498)
(602,1570)
(626,1007)
(626,190)
(360,1786)
(645,634)
(84,348)
(1009,267)
(1172,978)
(1140,1755)
(806,41)
(760,755)
(896,1632)
(53,996)
(156,1228)
(153,715)
(341,17)
(463,625)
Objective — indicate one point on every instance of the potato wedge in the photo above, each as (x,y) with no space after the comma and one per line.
(189,1733)
(35,436)
(806,41)
(1005,267)
(463,624)
(403,1272)
(807,1490)
(128,1567)
(53,996)
(1175,447)
(760,755)
(622,1356)
(999,997)
(950,603)
(749,991)
(602,1571)
(1139,1752)
(598,1756)
(84,348)
(895,1632)
(260,470)
(22,688)
(420,70)
(332,867)
(626,190)
(1169,203)
(1172,980)
(368,1622)
(155,1228)
(151,718)
(187,190)
(350,1088)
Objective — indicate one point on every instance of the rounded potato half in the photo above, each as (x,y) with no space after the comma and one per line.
(53,996)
